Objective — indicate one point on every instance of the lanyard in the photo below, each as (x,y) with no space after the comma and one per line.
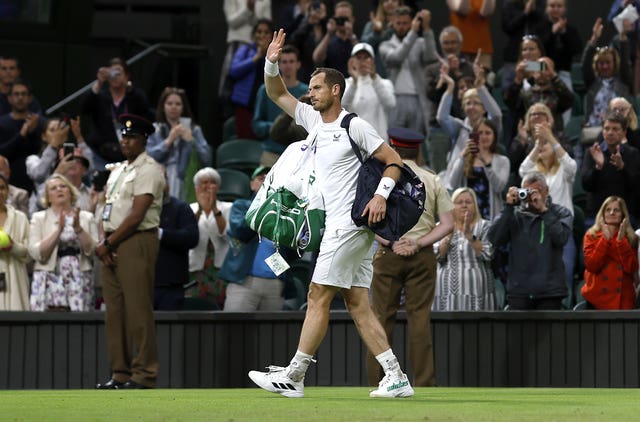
(124,170)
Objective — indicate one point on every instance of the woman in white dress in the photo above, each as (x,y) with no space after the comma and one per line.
(465,280)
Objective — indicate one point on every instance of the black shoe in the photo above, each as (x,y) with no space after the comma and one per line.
(131,385)
(109,385)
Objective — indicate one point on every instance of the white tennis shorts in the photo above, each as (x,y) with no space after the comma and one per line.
(345,259)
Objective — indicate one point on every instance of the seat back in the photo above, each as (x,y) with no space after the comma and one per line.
(235,185)
(239,154)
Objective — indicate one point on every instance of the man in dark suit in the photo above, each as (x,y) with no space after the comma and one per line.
(178,233)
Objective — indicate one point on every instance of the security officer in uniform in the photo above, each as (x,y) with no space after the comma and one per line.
(128,253)
(410,263)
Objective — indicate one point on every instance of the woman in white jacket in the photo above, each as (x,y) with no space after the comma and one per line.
(61,241)
(207,257)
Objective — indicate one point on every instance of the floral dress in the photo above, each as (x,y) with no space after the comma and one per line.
(67,286)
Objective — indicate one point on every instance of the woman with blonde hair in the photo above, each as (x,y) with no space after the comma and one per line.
(465,280)
(538,114)
(62,239)
(610,258)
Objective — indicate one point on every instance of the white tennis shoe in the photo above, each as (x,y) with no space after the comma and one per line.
(393,386)
(277,381)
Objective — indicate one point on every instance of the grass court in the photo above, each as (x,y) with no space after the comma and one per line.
(322,404)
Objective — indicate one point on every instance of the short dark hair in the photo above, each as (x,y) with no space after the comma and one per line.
(263,21)
(21,82)
(331,77)
(291,49)
(121,62)
(14,58)
(612,116)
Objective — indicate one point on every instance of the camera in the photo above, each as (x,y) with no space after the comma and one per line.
(536,66)
(523,193)
(315,5)
(340,20)
(114,73)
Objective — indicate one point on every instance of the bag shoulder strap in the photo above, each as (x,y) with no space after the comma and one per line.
(346,122)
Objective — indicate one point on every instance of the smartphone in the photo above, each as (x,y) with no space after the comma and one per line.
(186,122)
(68,148)
(475,139)
(536,66)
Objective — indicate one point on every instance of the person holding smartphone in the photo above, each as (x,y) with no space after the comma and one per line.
(176,138)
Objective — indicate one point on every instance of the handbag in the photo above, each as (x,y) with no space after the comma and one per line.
(406,201)
(288,209)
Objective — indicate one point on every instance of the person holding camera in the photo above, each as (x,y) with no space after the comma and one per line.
(334,49)
(544,87)
(176,138)
(59,154)
(111,95)
(536,230)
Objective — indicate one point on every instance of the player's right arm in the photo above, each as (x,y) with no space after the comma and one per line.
(276,89)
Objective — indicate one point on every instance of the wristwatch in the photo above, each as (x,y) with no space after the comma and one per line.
(218,213)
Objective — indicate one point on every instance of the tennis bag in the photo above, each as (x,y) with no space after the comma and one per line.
(288,209)
(405,203)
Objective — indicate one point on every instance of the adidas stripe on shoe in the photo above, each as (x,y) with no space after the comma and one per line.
(276,380)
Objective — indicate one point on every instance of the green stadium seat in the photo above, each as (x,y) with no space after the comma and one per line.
(576,108)
(576,78)
(239,154)
(235,185)
(573,128)
(501,295)
(229,129)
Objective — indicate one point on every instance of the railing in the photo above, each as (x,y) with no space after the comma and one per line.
(163,49)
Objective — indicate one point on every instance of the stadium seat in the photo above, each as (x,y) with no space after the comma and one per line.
(235,185)
(438,145)
(573,128)
(576,108)
(578,295)
(239,154)
(579,194)
(576,78)
(295,295)
(229,129)
(580,306)
(500,295)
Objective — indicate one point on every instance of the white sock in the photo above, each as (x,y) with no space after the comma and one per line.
(298,366)
(389,362)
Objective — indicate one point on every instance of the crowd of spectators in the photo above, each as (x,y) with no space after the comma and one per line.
(515,166)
